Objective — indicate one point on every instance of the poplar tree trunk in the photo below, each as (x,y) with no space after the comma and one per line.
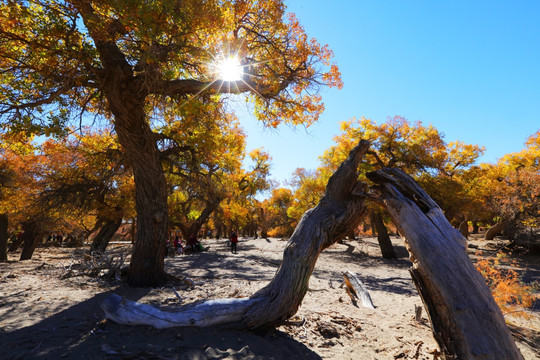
(147,260)
(466,321)
(30,239)
(494,230)
(3,236)
(195,227)
(126,95)
(105,234)
(475,227)
(138,143)
(464,228)
(387,249)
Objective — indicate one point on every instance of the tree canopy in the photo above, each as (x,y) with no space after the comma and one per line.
(134,63)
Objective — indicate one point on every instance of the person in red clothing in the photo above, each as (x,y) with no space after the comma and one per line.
(234,241)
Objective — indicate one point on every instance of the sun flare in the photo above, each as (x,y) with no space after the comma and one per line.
(229,69)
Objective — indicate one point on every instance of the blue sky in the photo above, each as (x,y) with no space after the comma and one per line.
(470,68)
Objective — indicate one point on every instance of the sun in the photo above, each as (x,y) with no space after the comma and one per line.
(229,69)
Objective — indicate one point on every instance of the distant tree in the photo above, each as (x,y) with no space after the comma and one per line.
(20,161)
(210,170)
(514,190)
(85,178)
(308,187)
(127,61)
(414,148)
(276,208)
(241,208)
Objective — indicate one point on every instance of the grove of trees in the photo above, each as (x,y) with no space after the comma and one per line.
(144,67)
(113,113)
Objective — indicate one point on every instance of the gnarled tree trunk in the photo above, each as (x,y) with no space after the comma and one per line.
(195,227)
(147,261)
(495,230)
(466,320)
(126,99)
(387,249)
(475,227)
(105,234)
(467,323)
(30,239)
(339,211)
(264,225)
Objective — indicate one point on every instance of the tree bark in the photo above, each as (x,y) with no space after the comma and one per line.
(466,321)
(126,98)
(195,227)
(494,230)
(147,260)
(126,102)
(464,229)
(475,227)
(29,238)
(105,234)
(3,236)
(340,210)
(387,250)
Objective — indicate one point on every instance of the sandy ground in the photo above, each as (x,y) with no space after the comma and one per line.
(45,314)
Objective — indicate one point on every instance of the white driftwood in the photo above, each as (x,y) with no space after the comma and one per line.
(357,289)
(208,313)
(467,323)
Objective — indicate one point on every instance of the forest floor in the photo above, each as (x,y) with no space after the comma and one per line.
(50,307)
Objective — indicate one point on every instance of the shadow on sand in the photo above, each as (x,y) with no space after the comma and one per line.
(80,332)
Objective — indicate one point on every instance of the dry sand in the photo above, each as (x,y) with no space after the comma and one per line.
(43,316)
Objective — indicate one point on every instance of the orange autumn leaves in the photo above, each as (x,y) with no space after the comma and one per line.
(506,286)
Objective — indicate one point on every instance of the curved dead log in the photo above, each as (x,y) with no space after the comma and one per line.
(339,211)
(208,313)
(467,323)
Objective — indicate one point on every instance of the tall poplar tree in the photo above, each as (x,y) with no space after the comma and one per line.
(128,61)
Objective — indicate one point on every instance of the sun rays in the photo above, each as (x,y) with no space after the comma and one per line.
(228,72)
(229,68)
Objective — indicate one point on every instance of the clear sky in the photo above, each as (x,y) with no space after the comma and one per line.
(470,68)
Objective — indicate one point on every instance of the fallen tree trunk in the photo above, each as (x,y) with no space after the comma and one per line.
(208,313)
(339,211)
(467,323)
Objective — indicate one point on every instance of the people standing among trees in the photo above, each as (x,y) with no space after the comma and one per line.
(179,248)
(234,242)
